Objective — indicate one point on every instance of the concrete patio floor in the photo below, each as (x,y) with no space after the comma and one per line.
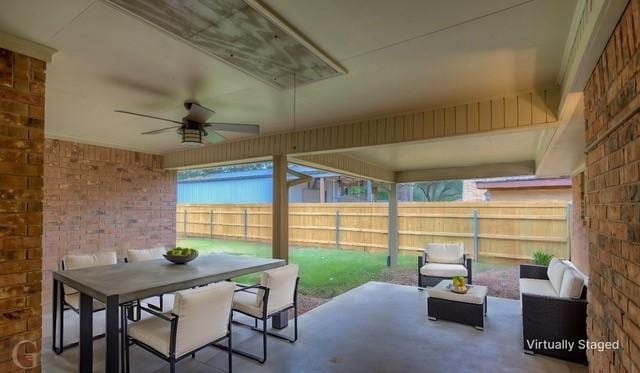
(377,327)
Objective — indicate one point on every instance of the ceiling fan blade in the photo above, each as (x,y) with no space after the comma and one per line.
(159,131)
(253,129)
(199,113)
(214,137)
(148,116)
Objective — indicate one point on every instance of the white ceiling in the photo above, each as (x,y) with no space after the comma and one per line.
(400,56)
(502,147)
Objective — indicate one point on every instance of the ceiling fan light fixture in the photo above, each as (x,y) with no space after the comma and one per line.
(191,137)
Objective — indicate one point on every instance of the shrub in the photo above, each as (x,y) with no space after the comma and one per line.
(542,258)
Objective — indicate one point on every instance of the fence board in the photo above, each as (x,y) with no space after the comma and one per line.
(505,229)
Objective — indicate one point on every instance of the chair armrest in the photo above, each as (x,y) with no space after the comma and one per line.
(158,314)
(420,261)
(533,271)
(468,263)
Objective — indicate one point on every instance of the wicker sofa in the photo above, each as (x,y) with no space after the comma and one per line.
(554,309)
(441,261)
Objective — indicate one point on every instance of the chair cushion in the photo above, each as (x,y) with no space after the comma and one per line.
(443,270)
(75,261)
(537,287)
(452,253)
(154,332)
(281,283)
(572,284)
(245,301)
(73,300)
(204,315)
(555,272)
(139,255)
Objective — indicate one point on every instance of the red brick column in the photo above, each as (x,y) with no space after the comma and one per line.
(612,117)
(22,85)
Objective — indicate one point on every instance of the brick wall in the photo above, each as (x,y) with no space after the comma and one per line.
(100,199)
(22,84)
(579,252)
(613,188)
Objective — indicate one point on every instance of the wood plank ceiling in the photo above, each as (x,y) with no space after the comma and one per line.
(256,42)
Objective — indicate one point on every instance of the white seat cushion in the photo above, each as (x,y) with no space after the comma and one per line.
(281,283)
(154,332)
(139,255)
(572,284)
(203,317)
(451,253)
(245,301)
(555,272)
(443,270)
(73,300)
(537,287)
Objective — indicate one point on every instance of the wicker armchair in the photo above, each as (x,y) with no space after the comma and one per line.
(441,262)
(552,318)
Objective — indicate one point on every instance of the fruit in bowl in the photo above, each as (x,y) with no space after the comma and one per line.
(181,255)
(457,284)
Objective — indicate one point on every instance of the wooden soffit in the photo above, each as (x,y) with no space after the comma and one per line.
(504,113)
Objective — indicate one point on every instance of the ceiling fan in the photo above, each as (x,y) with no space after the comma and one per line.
(193,127)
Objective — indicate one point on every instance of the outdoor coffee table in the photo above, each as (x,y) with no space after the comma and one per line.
(469,308)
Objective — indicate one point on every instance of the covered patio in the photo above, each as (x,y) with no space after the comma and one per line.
(384,335)
(393,92)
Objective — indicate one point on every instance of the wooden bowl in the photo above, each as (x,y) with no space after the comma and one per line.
(180,259)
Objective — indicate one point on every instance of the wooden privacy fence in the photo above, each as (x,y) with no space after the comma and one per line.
(511,230)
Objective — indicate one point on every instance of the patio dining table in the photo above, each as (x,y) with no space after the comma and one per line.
(120,283)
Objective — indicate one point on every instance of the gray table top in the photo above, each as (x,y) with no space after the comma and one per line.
(139,280)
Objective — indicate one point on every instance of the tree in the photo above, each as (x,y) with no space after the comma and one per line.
(439,191)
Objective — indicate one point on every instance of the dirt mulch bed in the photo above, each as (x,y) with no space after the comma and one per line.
(502,281)
(307,303)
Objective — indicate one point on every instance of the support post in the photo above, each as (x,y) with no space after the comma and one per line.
(475,234)
(280,209)
(338,229)
(393,225)
(323,196)
(210,223)
(184,223)
(568,215)
(246,220)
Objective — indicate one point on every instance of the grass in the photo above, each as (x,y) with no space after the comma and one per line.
(324,273)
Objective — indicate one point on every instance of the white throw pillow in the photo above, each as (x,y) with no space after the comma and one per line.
(451,253)
(572,284)
(555,272)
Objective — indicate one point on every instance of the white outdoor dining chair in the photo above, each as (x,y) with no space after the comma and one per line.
(200,317)
(68,298)
(140,255)
(277,292)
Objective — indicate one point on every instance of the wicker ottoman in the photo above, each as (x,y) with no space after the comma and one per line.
(468,308)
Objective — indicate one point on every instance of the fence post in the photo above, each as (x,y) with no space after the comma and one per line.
(337,229)
(184,223)
(475,234)
(568,218)
(245,223)
(210,223)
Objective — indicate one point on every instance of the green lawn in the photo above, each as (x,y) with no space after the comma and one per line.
(324,273)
